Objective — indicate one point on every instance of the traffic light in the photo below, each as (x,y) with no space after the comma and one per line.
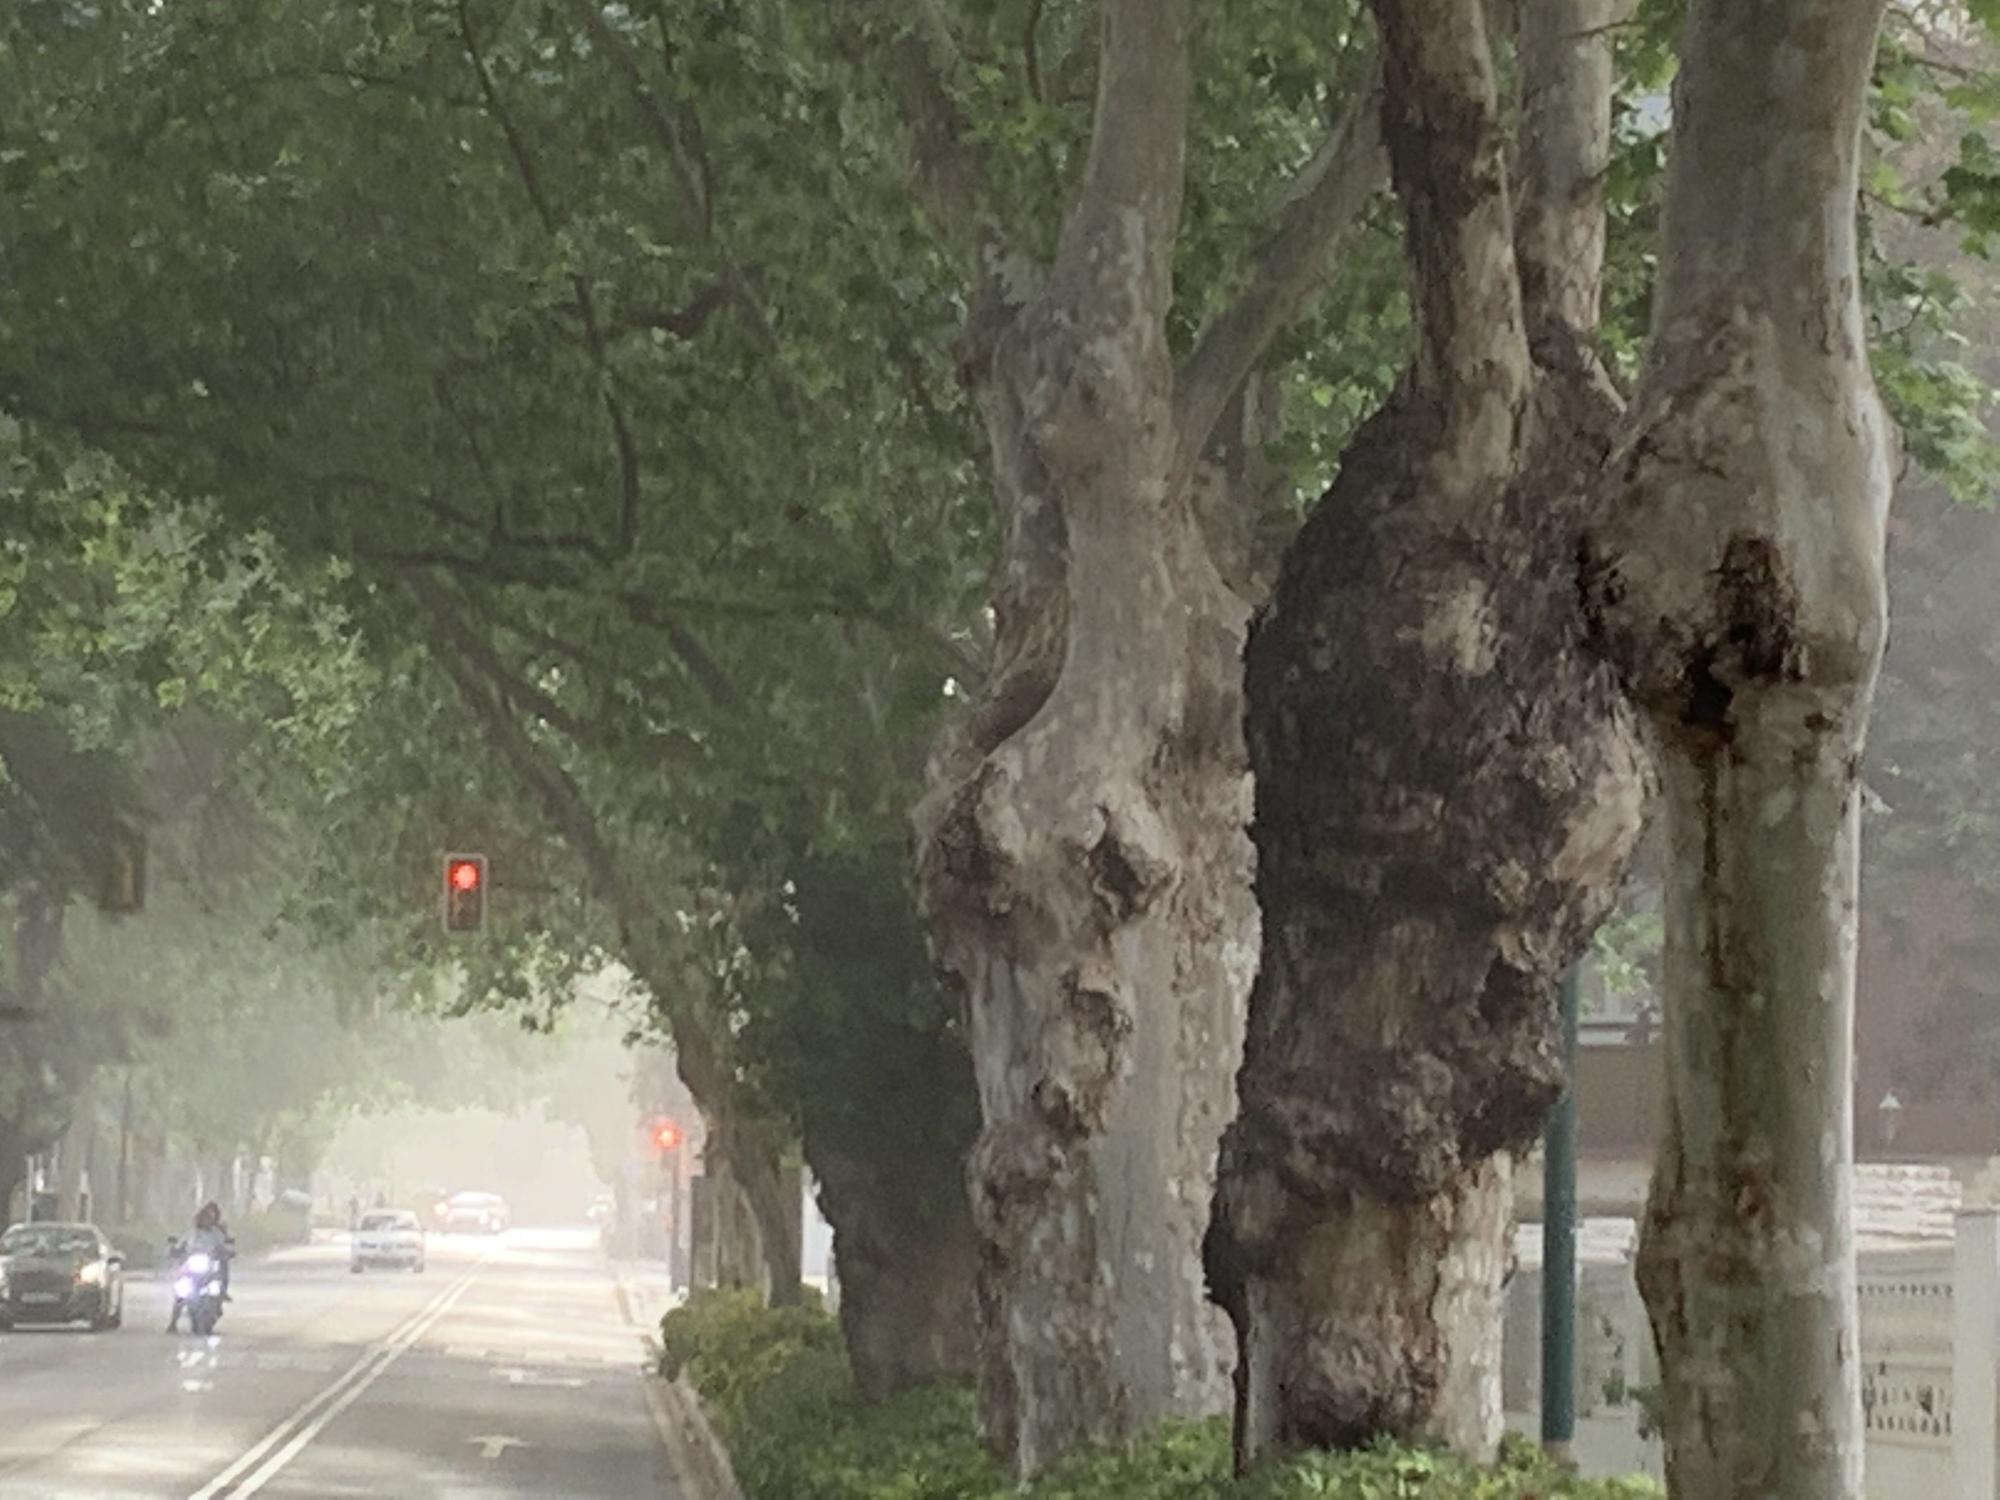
(464,892)
(666,1135)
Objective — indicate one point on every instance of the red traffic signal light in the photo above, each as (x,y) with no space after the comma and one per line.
(464,892)
(666,1135)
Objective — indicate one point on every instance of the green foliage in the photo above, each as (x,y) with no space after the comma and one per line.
(777,1382)
(1626,950)
(777,1385)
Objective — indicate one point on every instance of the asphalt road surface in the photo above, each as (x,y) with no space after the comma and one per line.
(507,1369)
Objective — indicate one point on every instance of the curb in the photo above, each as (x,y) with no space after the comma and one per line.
(696,1452)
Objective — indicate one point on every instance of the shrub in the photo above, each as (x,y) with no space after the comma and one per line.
(778,1386)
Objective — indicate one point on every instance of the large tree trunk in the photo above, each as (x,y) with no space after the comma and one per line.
(1083,863)
(1740,583)
(905,1252)
(1083,855)
(738,1256)
(888,1153)
(770,1204)
(1448,787)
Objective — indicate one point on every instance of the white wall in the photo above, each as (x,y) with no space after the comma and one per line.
(1930,1344)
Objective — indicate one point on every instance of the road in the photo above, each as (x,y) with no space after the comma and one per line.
(508,1369)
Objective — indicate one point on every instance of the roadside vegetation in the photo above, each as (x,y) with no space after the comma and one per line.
(777,1386)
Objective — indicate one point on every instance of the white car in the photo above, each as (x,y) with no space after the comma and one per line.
(388,1237)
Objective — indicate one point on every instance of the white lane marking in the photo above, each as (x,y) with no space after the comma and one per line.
(364,1370)
(492,1445)
(528,1377)
(276,1463)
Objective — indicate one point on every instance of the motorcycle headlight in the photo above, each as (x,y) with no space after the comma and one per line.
(184,1288)
(198,1263)
(92,1274)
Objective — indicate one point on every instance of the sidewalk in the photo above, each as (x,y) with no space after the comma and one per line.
(646,1293)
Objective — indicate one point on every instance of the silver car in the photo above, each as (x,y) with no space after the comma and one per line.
(388,1237)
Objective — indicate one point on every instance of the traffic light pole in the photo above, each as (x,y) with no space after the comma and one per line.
(1559,1244)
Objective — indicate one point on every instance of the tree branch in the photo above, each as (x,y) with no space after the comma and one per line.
(568,812)
(1441,124)
(1136,168)
(1565,62)
(468,663)
(670,134)
(1321,205)
(586,304)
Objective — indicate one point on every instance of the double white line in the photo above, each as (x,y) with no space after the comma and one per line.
(261,1463)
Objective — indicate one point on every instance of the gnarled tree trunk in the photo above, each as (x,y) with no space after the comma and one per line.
(1739,579)
(1083,863)
(1448,787)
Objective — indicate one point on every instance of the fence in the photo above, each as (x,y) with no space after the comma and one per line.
(1930,1353)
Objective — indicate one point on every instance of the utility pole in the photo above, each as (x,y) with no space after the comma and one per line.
(1559,1243)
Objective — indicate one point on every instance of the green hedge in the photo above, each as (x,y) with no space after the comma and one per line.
(778,1386)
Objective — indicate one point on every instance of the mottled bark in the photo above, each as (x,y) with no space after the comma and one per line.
(1083,863)
(1447,790)
(1565,69)
(1739,585)
(1082,859)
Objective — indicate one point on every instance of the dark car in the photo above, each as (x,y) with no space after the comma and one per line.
(60,1273)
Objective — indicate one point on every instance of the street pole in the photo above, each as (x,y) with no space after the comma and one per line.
(1559,1244)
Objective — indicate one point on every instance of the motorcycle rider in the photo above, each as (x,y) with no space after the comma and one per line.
(211,1238)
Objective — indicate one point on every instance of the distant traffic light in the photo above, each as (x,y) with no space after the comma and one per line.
(464,892)
(666,1136)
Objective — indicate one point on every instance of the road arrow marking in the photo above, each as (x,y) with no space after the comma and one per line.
(493,1445)
(557,1382)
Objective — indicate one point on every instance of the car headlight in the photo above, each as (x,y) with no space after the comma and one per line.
(92,1274)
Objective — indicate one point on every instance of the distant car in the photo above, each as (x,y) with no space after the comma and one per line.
(475,1213)
(60,1273)
(387,1237)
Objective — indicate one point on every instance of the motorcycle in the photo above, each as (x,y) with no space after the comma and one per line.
(198,1287)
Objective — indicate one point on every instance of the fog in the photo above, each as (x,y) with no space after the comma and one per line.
(540,1166)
